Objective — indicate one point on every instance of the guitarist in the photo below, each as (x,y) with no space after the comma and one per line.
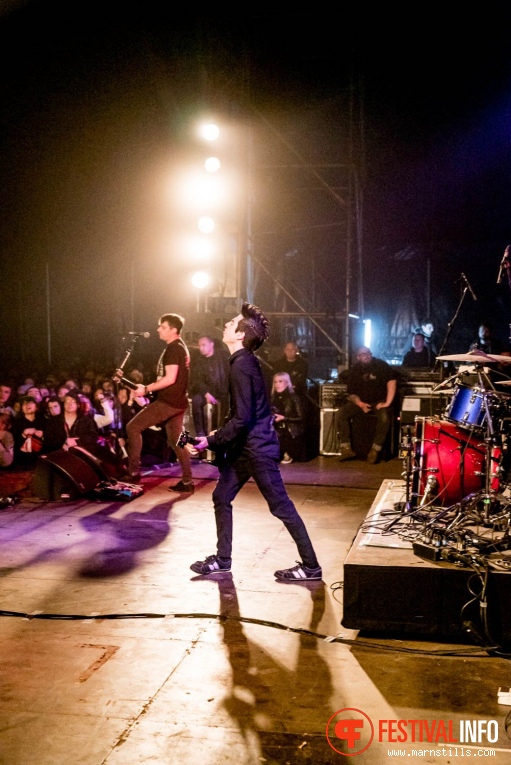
(169,406)
(251,450)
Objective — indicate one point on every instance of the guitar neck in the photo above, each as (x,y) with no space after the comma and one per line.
(127,383)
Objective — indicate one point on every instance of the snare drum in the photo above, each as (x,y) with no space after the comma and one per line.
(468,407)
(453,458)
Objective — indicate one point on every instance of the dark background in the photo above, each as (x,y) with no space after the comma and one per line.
(96,102)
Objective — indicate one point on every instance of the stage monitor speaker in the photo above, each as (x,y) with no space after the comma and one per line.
(328,434)
(63,475)
(106,464)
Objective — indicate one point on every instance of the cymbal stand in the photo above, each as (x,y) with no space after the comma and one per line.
(450,326)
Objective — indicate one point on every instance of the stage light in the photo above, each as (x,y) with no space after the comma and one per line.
(212,164)
(210,131)
(201,249)
(200,279)
(206,224)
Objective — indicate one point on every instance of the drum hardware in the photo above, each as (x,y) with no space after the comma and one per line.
(406,452)
(431,491)
(446,383)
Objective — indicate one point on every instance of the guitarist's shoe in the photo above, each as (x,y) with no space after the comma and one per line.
(183,488)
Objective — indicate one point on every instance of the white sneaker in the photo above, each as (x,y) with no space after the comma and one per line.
(286,459)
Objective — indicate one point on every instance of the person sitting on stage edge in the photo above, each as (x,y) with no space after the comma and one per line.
(208,382)
(419,356)
(371,388)
(171,386)
(288,419)
(251,449)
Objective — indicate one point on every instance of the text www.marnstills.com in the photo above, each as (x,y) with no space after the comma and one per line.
(454,751)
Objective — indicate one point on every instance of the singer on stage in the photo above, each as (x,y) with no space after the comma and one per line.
(171,389)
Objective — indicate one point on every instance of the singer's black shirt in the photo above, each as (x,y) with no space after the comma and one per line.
(249,430)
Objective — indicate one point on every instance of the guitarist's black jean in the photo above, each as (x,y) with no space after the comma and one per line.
(266,473)
(157,413)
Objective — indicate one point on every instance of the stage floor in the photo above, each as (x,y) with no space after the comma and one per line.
(112,652)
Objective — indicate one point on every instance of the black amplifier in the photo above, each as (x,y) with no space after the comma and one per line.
(332,395)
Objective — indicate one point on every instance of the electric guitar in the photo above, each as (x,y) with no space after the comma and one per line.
(185,438)
(124,381)
(128,384)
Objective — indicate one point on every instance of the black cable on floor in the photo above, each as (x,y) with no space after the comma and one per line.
(357,643)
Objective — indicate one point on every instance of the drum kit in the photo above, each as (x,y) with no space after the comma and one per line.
(462,459)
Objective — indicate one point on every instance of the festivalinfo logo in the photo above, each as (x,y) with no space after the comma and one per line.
(351,731)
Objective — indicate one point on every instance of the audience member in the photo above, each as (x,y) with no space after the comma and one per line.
(428,330)
(487,342)
(51,407)
(62,391)
(288,419)
(371,388)
(103,410)
(209,383)
(26,384)
(419,356)
(5,399)
(71,428)
(27,430)
(6,441)
(127,409)
(36,393)
(295,365)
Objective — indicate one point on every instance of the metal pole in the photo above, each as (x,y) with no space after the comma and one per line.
(132,292)
(48,312)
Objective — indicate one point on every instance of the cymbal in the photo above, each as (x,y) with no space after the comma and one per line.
(476,357)
(502,382)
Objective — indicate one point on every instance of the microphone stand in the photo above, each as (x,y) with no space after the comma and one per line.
(128,352)
(117,409)
(450,325)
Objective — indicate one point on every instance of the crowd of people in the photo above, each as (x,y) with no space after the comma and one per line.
(38,417)
(42,414)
